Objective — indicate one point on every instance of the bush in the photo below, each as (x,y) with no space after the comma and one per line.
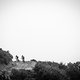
(46,72)
(73,72)
(62,66)
(22,74)
(4,75)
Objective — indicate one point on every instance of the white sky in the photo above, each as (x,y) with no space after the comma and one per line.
(41,29)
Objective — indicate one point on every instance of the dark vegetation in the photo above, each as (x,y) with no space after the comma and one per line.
(5,57)
(41,71)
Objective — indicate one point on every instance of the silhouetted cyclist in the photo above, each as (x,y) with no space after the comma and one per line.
(23,58)
(17,58)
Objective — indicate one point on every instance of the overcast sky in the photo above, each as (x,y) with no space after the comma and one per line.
(41,29)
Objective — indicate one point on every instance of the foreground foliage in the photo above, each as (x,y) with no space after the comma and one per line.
(42,70)
(45,71)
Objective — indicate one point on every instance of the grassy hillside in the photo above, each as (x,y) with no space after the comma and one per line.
(28,65)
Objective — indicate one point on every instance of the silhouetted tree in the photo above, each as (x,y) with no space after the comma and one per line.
(5,57)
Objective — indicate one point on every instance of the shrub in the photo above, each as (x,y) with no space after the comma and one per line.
(22,74)
(46,72)
(73,72)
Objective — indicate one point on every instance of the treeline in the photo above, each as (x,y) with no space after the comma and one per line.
(45,71)
(41,71)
